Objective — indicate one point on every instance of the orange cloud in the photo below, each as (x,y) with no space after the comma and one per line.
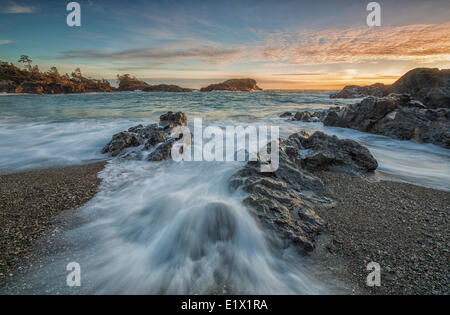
(412,42)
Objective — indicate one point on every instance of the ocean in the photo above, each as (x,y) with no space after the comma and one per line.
(148,230)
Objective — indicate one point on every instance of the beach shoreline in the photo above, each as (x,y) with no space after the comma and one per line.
(405,232)
(30,204)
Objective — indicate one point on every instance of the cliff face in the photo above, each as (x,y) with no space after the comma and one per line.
(430,86)
(241,85)
(16,80)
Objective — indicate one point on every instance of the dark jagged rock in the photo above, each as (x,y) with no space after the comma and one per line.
(356,91)
(395,116)
(166,88)
(285,200)
(430,86)
(427,85)
(243,85)
(325,152)
(162,151)
(121,141)
(286,114)
(306,116)
(171,120)
(152,137)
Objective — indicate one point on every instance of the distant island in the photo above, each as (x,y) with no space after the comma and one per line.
(236,85)
(31,80)
(430,86)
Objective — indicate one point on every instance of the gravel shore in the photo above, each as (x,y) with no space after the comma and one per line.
(29,203)
(402,227)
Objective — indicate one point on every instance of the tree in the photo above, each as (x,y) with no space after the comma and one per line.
(26,60)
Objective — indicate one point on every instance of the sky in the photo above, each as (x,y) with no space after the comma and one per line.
(282,44)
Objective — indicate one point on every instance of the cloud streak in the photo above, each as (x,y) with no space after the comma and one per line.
(4,42)
(208,53)
(18,9)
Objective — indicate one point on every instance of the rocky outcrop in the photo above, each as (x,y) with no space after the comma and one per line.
(165,88)
(129,83)
(329,153)
(153,138)
(16,80)
(285,200)
(236,85)
(7,86)
(395,116)
(356,91)
(427,85)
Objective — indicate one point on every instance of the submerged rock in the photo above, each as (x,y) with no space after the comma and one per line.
(243,85)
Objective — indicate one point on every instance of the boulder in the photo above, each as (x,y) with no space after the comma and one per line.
(356,91)
(325,152)
(153,137)
(171,120)
(395,116)
(121,141)
(430,86)
(243,85)
(284,200)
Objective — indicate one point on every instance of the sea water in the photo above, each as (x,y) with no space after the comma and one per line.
(161,227)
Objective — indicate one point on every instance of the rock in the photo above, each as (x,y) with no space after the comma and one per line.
(303,116)
(244,85)
(325,152)
(7,86)
(395,116)
(129,83)
(165,88)
(355,91)
(30,87)
(284,200)
(286,114)
(430,86)
(120,141)
(152,136)
(171,120)
(162,151)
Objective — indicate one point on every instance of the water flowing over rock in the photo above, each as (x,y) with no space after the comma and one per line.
(152,137)
(242,85)
(285,200)
(395,116)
